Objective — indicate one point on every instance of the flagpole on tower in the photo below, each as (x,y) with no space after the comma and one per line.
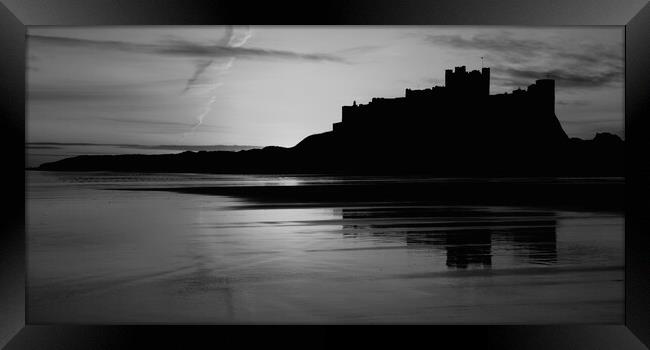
(481,62)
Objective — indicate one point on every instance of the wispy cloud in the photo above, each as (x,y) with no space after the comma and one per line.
(62,145)
(362,49)
(151,122)
(39,146)
(521,60)
(564,77)
(183,48)
(100,91)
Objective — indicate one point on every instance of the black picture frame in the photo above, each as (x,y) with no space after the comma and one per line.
(17,333)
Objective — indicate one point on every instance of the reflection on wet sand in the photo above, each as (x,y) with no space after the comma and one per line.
(466,234)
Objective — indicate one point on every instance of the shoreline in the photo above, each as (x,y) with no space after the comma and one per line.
(571,196)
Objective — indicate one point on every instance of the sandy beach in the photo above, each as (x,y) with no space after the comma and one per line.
(240,249)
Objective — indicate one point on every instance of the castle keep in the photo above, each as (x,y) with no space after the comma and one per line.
(460,110)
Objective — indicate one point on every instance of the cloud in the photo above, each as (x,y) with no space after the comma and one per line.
(363,49)
(154,126)
(573,103)
(82,92)
(62,145)
(121,91)
(564,77)
(521,60)
(38,146)
(201,66)
(502,43)
(150,122)
(183,48)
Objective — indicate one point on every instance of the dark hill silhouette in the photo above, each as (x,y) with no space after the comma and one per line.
(455,130)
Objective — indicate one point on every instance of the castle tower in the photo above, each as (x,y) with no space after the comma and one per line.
(456,79)
(449,76)
(485,73)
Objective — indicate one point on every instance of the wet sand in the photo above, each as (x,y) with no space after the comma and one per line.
(259,250)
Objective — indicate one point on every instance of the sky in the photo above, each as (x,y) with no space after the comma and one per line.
(98,90)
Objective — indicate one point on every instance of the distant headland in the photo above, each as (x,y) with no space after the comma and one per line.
(458,129)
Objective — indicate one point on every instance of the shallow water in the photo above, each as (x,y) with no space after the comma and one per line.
(99,255)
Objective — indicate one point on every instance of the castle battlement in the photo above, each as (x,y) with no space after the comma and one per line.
(474,82)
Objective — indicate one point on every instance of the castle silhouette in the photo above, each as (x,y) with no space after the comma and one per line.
(461,110)
(458,129)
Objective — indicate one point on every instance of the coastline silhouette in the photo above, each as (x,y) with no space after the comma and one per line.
(458,129)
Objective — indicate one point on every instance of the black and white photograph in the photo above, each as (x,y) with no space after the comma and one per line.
(329,174)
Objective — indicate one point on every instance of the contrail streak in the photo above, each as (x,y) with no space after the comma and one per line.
(232,40)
